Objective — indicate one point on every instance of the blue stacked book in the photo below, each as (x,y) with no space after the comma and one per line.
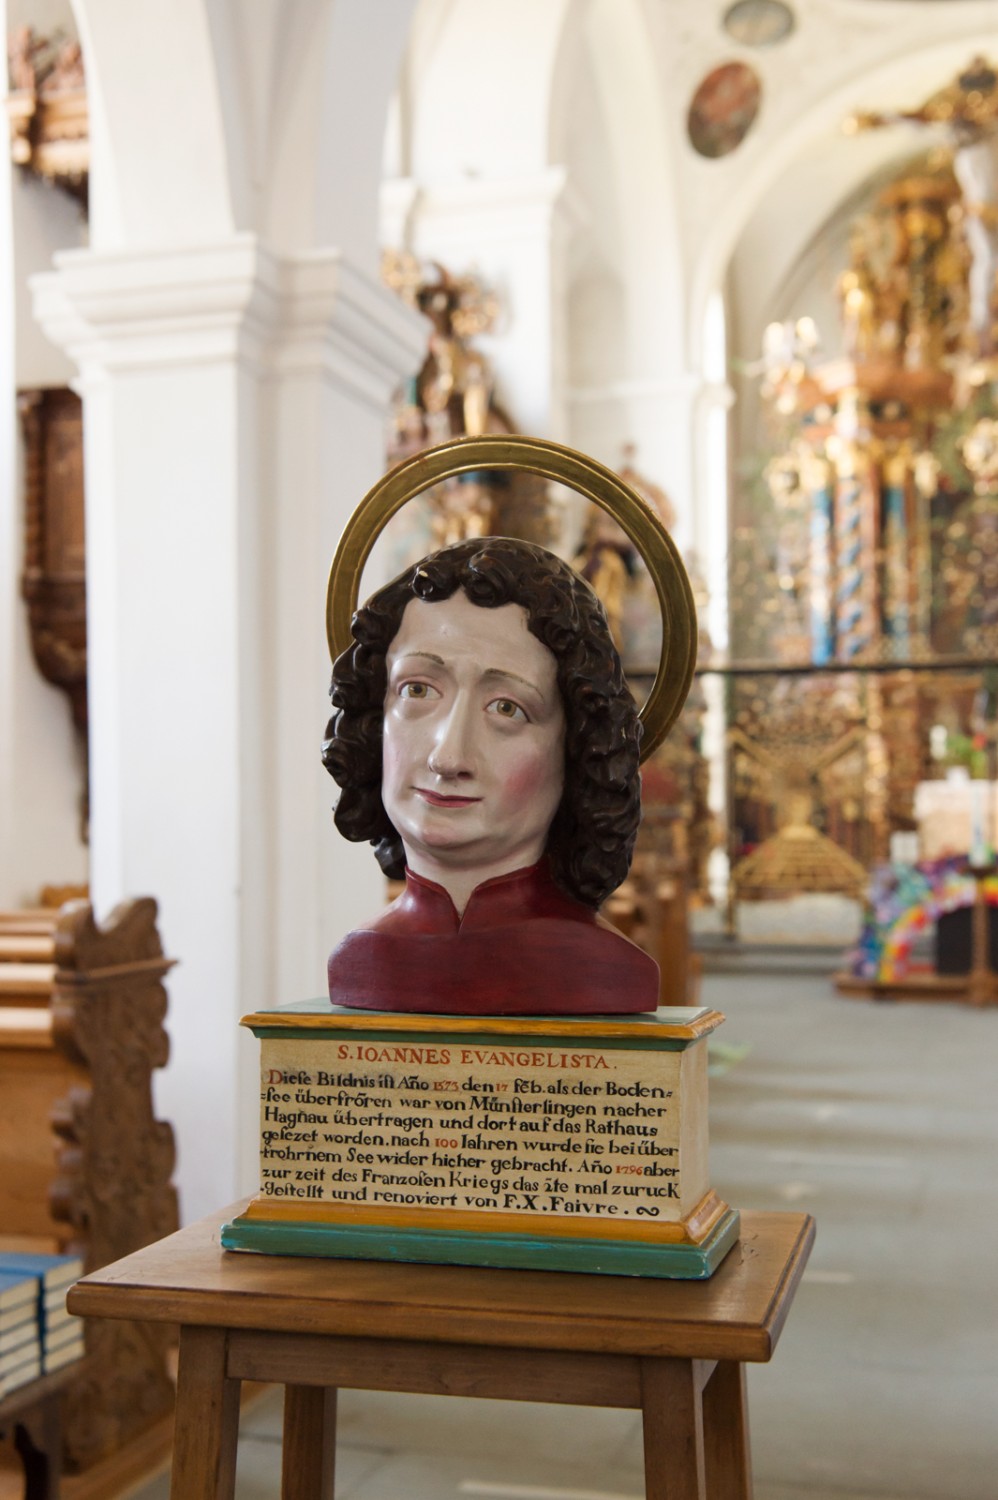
(20,1335)
(37,1333)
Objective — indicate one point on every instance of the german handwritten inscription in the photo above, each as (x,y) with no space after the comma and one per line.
(479,1125)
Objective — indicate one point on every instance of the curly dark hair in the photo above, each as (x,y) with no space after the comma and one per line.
(591,838)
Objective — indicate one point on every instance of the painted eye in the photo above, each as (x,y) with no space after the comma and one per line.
(418,690)
(507,709)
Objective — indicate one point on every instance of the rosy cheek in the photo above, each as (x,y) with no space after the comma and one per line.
(529,777)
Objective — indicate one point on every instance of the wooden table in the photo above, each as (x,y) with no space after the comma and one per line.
(675,1350)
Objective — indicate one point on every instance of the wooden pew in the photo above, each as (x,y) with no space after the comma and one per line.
(84,1164)
(33,1075)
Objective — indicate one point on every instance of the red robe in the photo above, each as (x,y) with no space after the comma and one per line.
(522,947)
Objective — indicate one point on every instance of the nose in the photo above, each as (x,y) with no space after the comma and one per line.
(452,751)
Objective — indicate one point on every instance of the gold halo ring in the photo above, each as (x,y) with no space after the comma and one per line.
(564,466)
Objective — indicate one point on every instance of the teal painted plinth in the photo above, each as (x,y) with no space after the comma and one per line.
(464,1248)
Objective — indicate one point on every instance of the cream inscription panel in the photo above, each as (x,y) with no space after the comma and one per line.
(479,1125)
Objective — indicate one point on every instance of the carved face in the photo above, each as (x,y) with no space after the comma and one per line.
(473,750)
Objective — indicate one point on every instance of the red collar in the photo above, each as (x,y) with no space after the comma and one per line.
(520,896)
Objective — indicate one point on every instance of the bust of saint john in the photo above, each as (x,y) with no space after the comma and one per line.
(486,743)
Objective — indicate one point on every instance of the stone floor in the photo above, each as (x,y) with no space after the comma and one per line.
(881,1120)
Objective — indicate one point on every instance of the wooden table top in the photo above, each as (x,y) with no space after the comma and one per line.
(738,1314)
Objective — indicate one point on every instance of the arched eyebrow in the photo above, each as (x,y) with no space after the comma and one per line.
(437,661)
(492,674)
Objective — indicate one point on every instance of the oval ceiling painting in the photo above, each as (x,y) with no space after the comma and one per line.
(723,109)
(759,23)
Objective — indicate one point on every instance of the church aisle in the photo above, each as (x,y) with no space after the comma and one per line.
(881,1119)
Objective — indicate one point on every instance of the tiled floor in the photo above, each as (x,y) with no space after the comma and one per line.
(880,1119)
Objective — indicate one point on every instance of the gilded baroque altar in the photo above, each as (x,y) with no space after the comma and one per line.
(864,578)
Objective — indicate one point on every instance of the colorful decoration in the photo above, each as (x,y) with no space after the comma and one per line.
(857,429)
(904,901)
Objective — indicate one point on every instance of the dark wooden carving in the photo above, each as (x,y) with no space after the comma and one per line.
(114,1160)
(54,579)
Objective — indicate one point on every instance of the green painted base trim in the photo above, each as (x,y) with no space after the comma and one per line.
(637,1043)
(465,1248)
(646,1028)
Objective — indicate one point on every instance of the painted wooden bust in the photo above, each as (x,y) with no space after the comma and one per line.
(486,743)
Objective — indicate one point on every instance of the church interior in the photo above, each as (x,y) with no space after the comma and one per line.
(744,253)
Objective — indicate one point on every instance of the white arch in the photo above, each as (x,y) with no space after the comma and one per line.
(331,88)
(207,120)
(468,120)
(629,382)
(160,158)
(489,67)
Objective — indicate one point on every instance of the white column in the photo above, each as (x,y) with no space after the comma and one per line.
(512,232)
(234,406)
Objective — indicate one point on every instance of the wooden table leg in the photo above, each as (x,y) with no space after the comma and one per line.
(207,1423)
(673,1430)
(726,1433)
(38,1440)
(309,1454)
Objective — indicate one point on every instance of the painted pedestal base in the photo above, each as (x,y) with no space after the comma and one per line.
(568,1143)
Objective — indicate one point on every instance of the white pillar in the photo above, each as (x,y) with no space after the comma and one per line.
(512,232)
(234,407)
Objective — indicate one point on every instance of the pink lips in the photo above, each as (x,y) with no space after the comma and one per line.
(436,799)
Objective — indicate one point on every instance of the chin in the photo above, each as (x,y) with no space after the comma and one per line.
(448,853)
(444,836)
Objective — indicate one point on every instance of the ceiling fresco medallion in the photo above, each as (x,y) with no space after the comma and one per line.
(759,23)
(723,109)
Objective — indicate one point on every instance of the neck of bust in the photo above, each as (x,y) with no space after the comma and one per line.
(460,882)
